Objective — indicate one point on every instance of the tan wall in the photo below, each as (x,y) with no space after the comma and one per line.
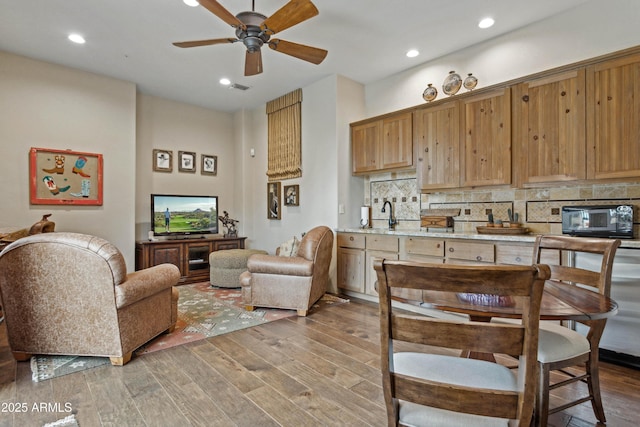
(174,126)
(48,106)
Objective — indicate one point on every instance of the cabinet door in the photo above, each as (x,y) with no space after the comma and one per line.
(351,265)
(437,139)
(549,121)
(613,109)
(372,277)
(365,146)
(397,142)
(486,120)
(172,254)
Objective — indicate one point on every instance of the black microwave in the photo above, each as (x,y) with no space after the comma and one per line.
(612,221)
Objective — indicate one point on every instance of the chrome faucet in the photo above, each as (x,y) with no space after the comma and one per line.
(392,220)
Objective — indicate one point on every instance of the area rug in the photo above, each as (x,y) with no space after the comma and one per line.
(203,311)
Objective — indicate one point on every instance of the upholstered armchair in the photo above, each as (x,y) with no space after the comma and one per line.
(70,294)
(295,282)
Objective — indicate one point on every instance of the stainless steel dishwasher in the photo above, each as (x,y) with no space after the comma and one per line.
(620,342)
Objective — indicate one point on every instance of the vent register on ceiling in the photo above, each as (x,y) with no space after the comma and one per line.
(284,137)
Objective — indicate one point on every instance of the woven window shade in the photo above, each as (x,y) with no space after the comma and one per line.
(285,141)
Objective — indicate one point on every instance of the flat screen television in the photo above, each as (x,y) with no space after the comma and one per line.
(183,215)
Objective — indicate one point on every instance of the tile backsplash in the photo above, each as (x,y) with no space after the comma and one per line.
(539,209)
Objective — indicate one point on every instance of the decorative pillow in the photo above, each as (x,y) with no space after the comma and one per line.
(290,247)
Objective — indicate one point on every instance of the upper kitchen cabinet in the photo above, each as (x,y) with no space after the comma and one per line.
(382,144)
(549,129)
(613,109)
(486,122)
(436,133)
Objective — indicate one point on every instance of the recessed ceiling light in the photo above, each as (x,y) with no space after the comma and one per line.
(192,3)
(486,23)
(413,53)
(225,81)
(76,38)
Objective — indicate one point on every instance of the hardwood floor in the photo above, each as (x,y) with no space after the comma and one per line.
(322,370)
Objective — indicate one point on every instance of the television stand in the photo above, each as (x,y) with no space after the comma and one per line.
(189,254)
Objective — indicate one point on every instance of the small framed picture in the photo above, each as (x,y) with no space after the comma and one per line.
(187,161)
(291,195)
(162,161)
(274,198)
(208,164)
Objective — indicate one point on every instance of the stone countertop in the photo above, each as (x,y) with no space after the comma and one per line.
(526,238)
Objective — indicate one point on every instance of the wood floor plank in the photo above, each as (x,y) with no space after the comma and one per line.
(116,407)
(73,390)
(228,398)
(281,409)
(196,405)
(328,368)
(151,399)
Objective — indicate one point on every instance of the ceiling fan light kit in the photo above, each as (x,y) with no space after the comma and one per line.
(254,30)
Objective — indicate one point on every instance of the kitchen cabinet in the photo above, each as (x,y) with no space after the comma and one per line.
(437,140)
(378,246)
(382,144)
(549,129)
(486,121)
(351,262)
(613,108)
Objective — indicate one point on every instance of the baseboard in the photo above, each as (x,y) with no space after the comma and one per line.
(621,359)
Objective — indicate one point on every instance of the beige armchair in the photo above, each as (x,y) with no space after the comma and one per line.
(295,282)
(70,294)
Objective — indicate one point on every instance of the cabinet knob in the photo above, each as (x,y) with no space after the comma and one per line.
(478,258)
(351,238)
(451,250)
(525,98)
(518,259)
(438,245)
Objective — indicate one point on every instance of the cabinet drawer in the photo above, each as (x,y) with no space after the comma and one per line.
(419,246)
(480,252)
(348,240)
(382,243)
(514,254)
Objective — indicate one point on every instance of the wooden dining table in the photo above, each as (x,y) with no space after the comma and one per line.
(560,301)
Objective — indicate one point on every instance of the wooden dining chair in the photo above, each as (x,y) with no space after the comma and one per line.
(422,388)
(560,347)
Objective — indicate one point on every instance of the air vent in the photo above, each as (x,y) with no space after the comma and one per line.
(239,86)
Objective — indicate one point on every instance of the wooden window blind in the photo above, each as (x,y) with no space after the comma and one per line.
(284,139)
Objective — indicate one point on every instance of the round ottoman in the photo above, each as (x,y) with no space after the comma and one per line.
(226,266)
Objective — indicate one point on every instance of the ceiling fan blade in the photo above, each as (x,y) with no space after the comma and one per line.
(253,63)
(217,9)
(289,15)
(197,43)
(300,51)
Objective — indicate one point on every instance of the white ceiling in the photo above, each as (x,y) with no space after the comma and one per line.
(366,39)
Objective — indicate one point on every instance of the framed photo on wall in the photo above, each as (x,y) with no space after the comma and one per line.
(274,200)
(162,160)
(208,164)
(65,177)
(187,161)
(291,195)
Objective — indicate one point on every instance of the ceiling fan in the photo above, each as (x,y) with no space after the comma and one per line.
(254,30)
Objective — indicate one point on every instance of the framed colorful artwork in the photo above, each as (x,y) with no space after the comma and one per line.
(274,198)
(291,195)
(186,161)
(162,161)
(209,165)
(65,177)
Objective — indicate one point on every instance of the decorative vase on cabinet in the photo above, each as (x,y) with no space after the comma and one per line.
(430,93)
(452,83)
(470,81)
